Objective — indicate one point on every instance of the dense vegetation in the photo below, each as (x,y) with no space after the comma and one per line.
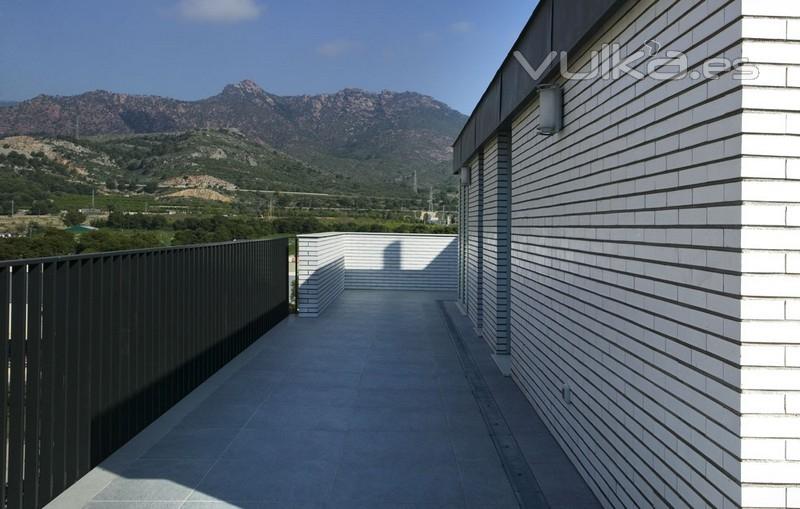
(146,160)
(40,244)
(185,188)
(32,182)
(51,242)
(134,231)
(199,172)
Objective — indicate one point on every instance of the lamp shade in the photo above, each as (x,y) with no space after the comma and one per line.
(466,175)
(551,109)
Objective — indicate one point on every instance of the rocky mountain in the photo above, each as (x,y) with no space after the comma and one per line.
(377,138)
(191,170)
(221,160)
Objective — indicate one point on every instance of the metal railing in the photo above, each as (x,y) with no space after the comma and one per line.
(99,346)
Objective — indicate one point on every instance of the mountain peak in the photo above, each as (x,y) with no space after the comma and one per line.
(248,87)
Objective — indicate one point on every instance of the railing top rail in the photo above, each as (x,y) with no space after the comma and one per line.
(110,254)
(377,234)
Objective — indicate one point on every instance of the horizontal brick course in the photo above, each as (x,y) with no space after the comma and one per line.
(331,263)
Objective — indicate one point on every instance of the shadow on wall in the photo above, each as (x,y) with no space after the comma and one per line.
(392,257)
(333,263)
(402,268)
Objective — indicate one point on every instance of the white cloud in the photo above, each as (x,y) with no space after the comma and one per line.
(333,49)
(429,36)
(461,27)
(219,11)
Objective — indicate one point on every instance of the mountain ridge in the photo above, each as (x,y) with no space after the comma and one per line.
(377,136)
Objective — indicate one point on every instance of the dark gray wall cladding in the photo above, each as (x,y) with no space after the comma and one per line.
(463,240)
(556,25)
(496,240)
(457,156)
(534,44)
(488,113)
(569,14)
(468,137)
(475,246)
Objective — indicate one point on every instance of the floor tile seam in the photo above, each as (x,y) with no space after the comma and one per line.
(142,456)
(340,462)
(451,443)
(529,491)
(216,461)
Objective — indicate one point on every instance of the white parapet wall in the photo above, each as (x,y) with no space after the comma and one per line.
(329,263)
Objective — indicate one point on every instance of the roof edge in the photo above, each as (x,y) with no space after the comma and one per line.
(554,25)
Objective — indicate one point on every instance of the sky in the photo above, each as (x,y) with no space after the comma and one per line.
(190,49)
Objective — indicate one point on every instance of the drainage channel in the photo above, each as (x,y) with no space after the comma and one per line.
(526,488)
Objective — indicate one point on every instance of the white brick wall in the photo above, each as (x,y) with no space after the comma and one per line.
(401,262)
(770,239)
(320,271)
(655,263)
(330,263)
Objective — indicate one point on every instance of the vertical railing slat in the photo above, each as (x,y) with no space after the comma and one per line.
(5,324)
(48,384)
(96,342)
(86,314)
(182,317)
(72,384)
(115,345)
(125,353)
(107,306)
(60,381)
(137,385)
(16,435)
(152,335)
(33,388)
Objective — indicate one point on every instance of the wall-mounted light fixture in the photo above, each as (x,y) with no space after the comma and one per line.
(466,175)
(551,109)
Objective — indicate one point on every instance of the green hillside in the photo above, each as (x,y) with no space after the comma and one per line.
(215,170)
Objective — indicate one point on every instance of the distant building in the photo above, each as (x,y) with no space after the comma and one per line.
(435,217)
(81,228)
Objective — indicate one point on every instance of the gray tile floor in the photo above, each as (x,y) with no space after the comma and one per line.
(366,406)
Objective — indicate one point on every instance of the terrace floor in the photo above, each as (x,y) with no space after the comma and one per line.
(366,406)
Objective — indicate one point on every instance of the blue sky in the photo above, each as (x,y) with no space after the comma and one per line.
(190,49)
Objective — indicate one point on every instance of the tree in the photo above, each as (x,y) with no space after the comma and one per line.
(104,241)
(74,218)
(48,243)
(43,207)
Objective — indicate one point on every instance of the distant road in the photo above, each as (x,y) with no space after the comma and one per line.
(297,193)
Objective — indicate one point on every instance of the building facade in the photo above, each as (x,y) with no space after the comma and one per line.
(640,268)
